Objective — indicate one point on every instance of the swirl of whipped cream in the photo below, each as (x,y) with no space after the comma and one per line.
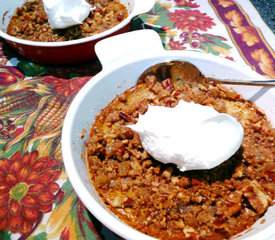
(66,13)
(190,135)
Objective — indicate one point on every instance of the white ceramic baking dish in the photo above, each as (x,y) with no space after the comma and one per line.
(122,65)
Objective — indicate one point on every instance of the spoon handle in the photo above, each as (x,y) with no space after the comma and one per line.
(268,82)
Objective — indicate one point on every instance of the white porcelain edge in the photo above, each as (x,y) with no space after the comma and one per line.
(127,46)
(143,6)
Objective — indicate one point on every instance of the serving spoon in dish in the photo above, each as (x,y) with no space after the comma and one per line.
(163,71)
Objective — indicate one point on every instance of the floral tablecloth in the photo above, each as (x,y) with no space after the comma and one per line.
(37,201)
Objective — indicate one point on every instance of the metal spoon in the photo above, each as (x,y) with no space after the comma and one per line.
(163,71)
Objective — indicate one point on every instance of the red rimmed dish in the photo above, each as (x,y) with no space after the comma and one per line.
(66,52)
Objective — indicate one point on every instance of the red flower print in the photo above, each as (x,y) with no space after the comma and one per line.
(27,187)
(230,58)
(67,86)
(176,45)
(191,20)
(185,3)
(165,28)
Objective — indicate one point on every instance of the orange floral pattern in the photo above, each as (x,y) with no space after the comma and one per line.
(265,61)
(185,3)
(250,42)
(249,35)
(191,20)
(226,3)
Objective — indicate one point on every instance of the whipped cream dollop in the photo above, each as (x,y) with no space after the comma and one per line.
(66,13)
(190,135)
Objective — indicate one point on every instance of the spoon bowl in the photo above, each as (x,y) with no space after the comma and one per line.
(163,71)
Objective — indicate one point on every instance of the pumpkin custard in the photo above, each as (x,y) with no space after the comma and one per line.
(158,199)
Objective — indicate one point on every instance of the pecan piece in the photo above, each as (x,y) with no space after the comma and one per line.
(256,197)
(126,117)
(233,209)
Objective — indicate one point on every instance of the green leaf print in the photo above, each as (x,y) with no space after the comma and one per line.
(158,16)
(40,236)
(214,41)
(5,235)
(31,69)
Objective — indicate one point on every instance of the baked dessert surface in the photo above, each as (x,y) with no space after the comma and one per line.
(159,200)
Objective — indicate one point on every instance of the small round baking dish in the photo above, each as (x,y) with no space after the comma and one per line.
(67,52)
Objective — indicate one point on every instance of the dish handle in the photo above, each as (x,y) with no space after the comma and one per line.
(143,6)
(128,46)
